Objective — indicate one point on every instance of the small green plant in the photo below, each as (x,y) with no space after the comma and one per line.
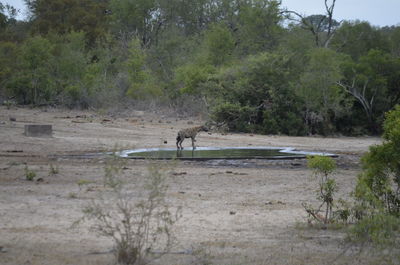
(72,195)
(29,174)
(8,103)
(83,182)
(377,192)
(54,170)
(323,167)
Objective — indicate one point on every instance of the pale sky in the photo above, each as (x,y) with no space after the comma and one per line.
(377,12)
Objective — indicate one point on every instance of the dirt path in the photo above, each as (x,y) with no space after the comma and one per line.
(233,213)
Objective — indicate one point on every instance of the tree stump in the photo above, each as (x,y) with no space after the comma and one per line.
(38,130)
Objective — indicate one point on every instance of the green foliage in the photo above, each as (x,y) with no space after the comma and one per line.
(258,91)
(380,229)
(54,170)
(33,84)
(378,186)
(64,16)
(192,77)
(142,85)
(216,52)
(236,117)
(219,44)
(376,192)
(323,99)
(323,167)
(369,81)
(29,174)
(258,25)
(135,16)
(358,38)
(8,52)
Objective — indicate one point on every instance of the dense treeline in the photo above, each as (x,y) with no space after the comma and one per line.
(249,64)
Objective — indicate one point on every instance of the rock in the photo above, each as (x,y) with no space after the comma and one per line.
(3,249)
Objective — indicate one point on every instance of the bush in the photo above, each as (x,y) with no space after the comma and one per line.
(29,174)
(377,190)
(137,226)
(379,184)
(323,167)
(236,117)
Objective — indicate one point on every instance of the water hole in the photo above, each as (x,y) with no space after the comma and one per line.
(217,153)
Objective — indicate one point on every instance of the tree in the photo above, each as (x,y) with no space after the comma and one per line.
(219,44)
(140,19)
(142,85)
(258,25)
(378,187)
(64,16)
(33,83)
(367,81)
(8,64)
(358,38)
(323,99)
(257,91)
(395,42)
(322,27)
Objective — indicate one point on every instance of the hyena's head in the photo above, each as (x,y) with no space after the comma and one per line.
(204,128)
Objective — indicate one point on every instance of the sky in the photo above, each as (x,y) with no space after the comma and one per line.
(378,12)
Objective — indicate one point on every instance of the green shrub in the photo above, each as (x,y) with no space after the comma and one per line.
(379,184)
(29,174)
(377,190)
(323,167)
(236,117)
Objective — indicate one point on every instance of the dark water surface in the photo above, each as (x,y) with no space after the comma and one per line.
(203,153)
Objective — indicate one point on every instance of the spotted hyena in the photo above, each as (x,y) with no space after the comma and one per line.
(189,133)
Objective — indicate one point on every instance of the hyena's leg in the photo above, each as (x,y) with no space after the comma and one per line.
(180,142)
(193,140)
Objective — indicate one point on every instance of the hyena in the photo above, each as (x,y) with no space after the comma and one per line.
(189,133)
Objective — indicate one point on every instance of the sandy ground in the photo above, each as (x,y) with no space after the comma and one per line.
(233,212)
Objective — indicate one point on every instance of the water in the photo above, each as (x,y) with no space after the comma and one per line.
(203,153)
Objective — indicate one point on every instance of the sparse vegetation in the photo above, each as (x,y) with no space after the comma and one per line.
(54,170)
(378,188)
(323,167)
(139,224)
(84,182)
(29,174)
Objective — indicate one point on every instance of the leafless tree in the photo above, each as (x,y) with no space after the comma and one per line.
(322,27)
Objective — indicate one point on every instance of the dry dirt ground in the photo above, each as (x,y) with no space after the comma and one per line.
(233,212)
